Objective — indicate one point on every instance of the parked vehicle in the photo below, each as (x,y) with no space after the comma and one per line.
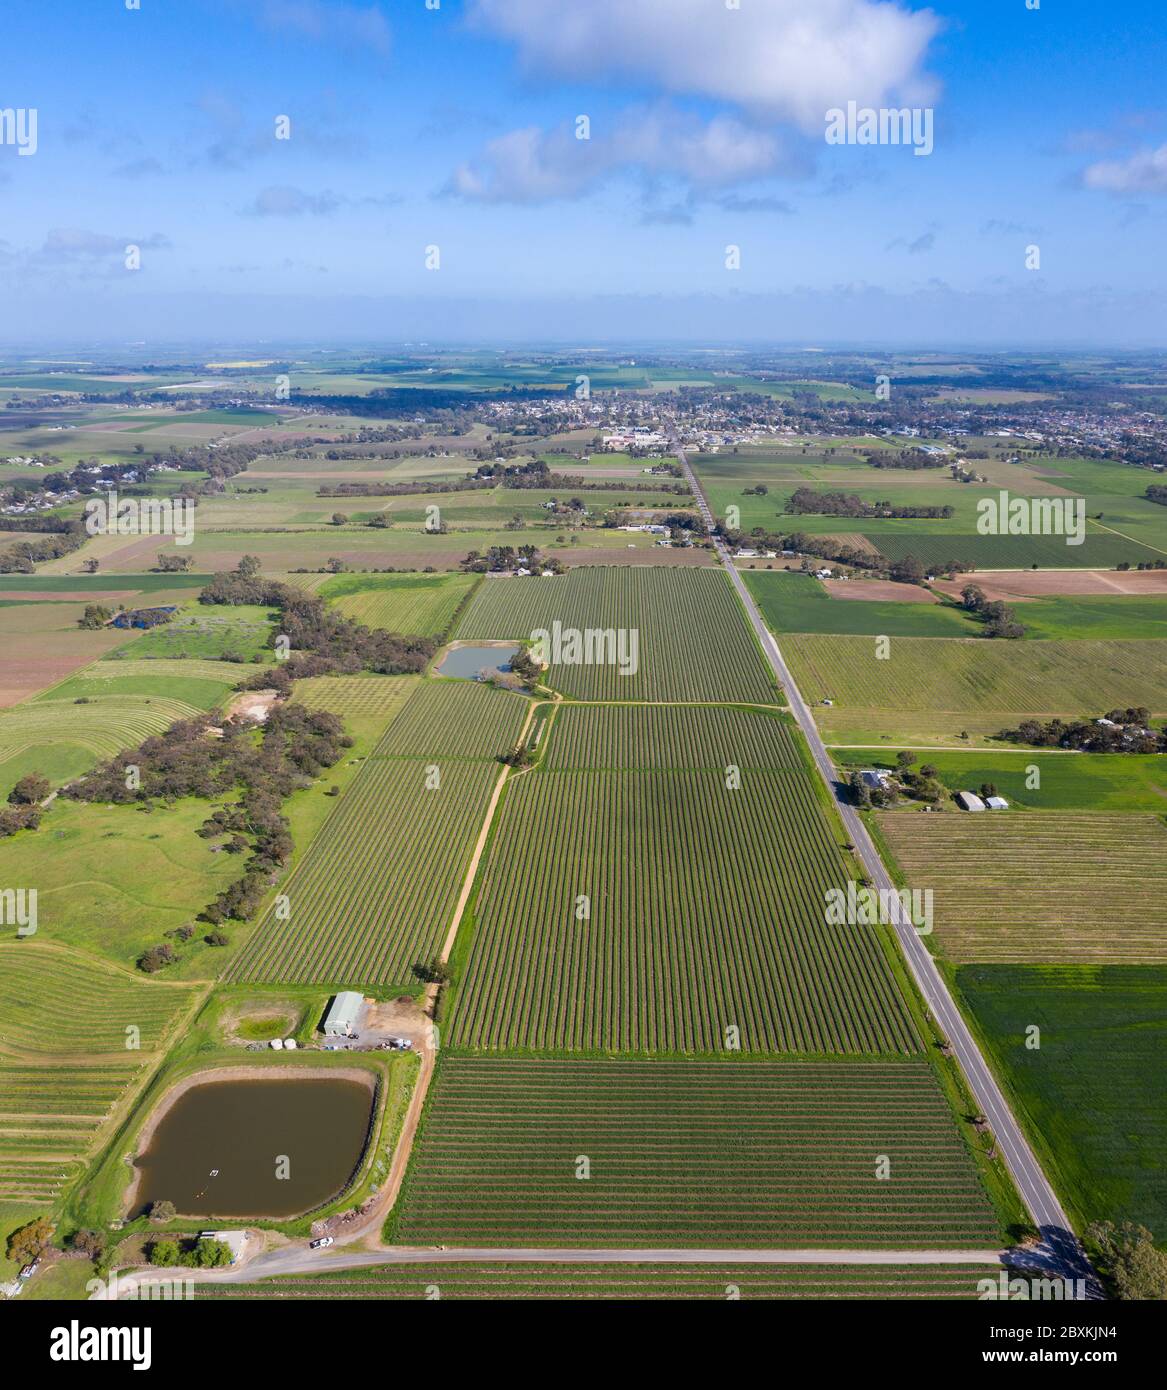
(321,1243)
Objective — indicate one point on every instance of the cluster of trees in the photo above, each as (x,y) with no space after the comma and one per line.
(500,559)
(906,458)
(23,811)
(1156,492)
(919,783)
(322,641)
(22,557)
(1128,731)
(999,619)
(806,501)
(202,1253)
(1128,1260)
(295,746)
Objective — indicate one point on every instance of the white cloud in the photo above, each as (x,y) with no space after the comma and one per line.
(780,59)
(76,243)
(350,26)
(281,200)
(534,166)
(1144,172)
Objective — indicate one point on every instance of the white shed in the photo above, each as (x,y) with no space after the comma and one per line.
(344,1014)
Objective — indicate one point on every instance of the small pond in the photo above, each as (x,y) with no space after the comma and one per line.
(470,658)
(255,1147)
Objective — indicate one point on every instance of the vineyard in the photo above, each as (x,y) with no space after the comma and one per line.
(692,639)
(364,697)
(979,675)
(453,719)
(593,1282)
(1042,887)
(659,738)
(66,1061)
(375,891)
(422,604)
(704,908)
(714,1154)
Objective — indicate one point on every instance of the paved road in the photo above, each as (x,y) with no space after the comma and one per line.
(1027,1173)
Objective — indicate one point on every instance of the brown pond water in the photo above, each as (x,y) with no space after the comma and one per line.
(248,1131)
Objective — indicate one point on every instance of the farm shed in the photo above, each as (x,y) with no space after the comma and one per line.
(969,801)
(873,779)
(996,803)
(344,1014)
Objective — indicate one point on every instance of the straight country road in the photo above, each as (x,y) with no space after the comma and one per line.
(1035,1189)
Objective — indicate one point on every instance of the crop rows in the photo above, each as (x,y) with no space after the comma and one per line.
(374,894)
(936,674)
(692,639)
(104,726)
(713,1154)
(705,911)
(375,696)
(659,738)
(454,719)
(68,1029)
(412,603)
(1040,887)
(1100,550)
(534,1280)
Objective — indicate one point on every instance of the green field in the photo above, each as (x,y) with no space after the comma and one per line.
(67,1067)
(375,892)
(200,684)
(705,905)
(692,641)
(981,677)
(420,604)
(799,603)
(1072,887)
(234,634)
(593,1282)
(62,739)
(1092,1092)
(713,1153)
(1063,781)
(1100,550)
(112,879)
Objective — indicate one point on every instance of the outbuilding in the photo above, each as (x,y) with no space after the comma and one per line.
(996,803)
(344,1014)
(969,801)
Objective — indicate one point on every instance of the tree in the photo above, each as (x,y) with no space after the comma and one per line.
(96,615)
(162,1210)
(89,566)
(434,971)
(164,1252)
(1133,1266)
(339,519)
(91,1243)
(31,790)
(156,958)
(248,566)
(904,759)
(28,1243)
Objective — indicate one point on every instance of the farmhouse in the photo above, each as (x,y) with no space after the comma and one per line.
(969,801)
(874,779)
(344,1014)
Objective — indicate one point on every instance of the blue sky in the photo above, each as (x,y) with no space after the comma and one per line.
(454,127)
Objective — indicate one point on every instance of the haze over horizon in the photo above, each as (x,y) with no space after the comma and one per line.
(456,128)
